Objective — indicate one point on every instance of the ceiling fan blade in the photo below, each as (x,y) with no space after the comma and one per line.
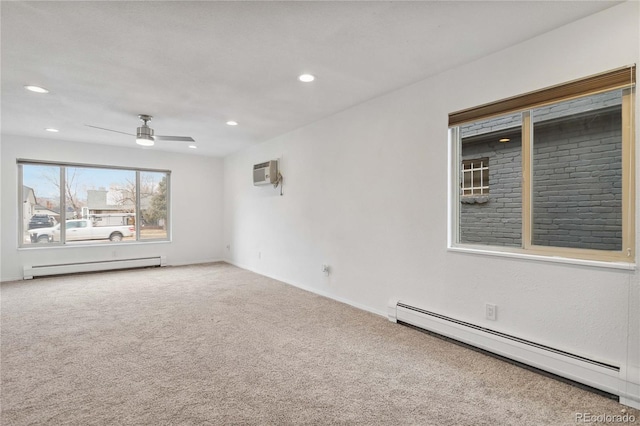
(174,138)
(109,130)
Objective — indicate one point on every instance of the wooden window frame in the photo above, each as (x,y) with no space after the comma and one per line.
(620,78)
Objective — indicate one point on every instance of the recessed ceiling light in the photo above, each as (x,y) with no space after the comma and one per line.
(52,130)
(232,123)
(36,89)
(504,140)
(192,146)
(306,78)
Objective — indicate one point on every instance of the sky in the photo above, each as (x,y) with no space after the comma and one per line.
(39,177)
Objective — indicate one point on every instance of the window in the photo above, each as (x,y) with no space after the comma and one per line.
(561,175)
(475,177)
(80,204)
(153,205)
(495,217)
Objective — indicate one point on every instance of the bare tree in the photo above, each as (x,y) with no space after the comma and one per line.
(124,195)
(70,189)
(126,191)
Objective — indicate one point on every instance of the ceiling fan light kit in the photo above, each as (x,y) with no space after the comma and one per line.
(144,134)
(144,141)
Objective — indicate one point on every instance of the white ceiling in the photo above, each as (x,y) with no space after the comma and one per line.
(195,65)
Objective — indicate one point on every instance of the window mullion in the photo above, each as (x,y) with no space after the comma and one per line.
(628,175)
(481,171)
(63,205)
(527,180)
(167,219)
(21,203)
(138,212)
(456,173)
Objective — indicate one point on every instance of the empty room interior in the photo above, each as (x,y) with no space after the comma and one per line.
(319,212)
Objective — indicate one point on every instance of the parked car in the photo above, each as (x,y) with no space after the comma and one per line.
(82,229)
(41,221)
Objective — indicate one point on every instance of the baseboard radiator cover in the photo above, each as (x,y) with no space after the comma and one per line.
(605,377)
(93,266)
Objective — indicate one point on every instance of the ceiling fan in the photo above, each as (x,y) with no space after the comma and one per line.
(144,134)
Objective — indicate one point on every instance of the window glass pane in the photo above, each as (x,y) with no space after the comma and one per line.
(491,182)
(87,204)
(40,203)
(100,204)
(577,173)
(154,203)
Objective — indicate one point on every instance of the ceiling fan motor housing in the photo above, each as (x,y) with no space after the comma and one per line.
(145,132)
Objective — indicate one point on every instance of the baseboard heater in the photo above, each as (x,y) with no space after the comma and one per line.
(593,373)
(95,266)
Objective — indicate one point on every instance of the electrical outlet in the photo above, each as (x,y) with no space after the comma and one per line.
(326,269)
(259,255)
(491,311)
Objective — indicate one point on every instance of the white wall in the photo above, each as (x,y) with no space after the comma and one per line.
(196,204)
(366,192)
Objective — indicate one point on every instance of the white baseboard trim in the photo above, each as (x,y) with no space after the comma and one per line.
(39,270)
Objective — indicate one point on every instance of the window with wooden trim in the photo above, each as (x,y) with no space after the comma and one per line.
(562,171)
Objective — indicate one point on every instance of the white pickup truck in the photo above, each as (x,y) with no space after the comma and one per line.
(81,229)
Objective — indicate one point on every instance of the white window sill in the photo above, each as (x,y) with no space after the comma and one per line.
(37,246)
(539,258)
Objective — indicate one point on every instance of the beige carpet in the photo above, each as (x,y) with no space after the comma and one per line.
(215,344)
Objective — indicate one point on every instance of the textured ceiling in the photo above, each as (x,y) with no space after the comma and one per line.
(195,65)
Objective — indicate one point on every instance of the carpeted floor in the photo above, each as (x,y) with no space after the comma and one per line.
(215,344)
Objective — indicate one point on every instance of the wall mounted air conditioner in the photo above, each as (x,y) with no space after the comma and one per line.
(266,173)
